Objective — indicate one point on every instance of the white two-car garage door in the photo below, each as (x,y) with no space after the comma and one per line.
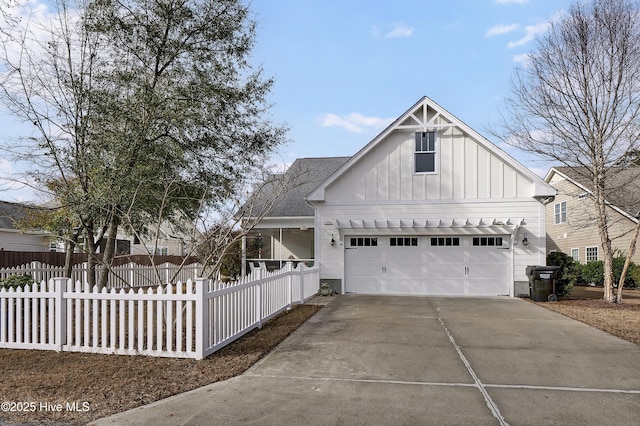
(425,265)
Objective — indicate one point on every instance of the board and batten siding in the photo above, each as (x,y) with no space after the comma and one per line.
(465,170)
(332,257)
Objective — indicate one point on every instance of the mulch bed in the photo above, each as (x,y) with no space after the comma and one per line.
(40,382)
(585,304)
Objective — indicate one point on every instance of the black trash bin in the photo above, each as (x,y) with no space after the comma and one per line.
(542,282)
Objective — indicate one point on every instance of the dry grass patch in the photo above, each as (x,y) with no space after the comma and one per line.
(585,304)
(109,384)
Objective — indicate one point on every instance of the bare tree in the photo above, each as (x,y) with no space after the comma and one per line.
(577,101)
(240,215)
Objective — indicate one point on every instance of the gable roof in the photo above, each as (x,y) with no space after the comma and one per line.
(623,193)
(300,179)
(10,213)
(416,118)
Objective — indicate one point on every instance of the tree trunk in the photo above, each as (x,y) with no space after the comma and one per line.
(69,250)
(627,261)
(109,251)
(92,261)
(603,230)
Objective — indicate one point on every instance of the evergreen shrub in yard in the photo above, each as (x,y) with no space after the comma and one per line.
(16,281)
(593,272)
(567,274)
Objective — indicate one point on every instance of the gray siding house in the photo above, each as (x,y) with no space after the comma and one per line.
(14,239)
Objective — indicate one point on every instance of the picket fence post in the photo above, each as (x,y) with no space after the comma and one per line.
(301,266)
(258,278)
(289,270)
(60,317)
(35,273)
(85,272)
(202,316)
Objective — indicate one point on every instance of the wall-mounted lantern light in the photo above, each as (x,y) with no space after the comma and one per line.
(525,242)
(333,241)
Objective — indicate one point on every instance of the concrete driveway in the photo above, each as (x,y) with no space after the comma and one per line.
(421,360)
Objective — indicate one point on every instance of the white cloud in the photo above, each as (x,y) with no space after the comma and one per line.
(521,59)
(5,167)
(531,31)
(400,30)
(500,29)
(396,31)
(356,123)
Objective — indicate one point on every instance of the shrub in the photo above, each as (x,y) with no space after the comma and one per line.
(634,272)
(630,280)
(16,281)
(567,274)
(592,273)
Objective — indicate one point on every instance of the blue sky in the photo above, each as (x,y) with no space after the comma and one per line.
(345,69)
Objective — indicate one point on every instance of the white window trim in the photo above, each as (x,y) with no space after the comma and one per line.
(557,217)
(586,255)
(577,250)
(435,155)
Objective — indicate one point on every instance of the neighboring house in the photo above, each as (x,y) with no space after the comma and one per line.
(14,239)
(170,241)
(428,207)
(571,223)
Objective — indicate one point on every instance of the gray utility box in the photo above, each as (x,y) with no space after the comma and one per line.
(542,282)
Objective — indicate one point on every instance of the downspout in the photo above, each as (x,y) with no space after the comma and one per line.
(543,225)
(512,262)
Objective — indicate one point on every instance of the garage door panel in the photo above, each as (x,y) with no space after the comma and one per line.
(413,287)
(487,280)
(366,286)
(436,271)
(483,255)
(446,287)
(426,266)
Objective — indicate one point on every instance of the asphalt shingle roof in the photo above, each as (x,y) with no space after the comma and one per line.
(302,177)
(623,185)
(9,213)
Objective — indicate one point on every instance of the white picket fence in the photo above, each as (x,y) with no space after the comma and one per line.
(124,276)
(183,320)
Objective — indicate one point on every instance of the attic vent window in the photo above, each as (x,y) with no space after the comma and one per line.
(425,152)
(583,196)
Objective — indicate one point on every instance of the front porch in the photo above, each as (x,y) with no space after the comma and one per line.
(276,245)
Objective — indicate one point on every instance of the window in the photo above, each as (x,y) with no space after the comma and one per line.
(364,242)
(426,152)
(487,241)
(575,254)
(162,251)
(403,242)
(445,241)
(560,210)
(592,254)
